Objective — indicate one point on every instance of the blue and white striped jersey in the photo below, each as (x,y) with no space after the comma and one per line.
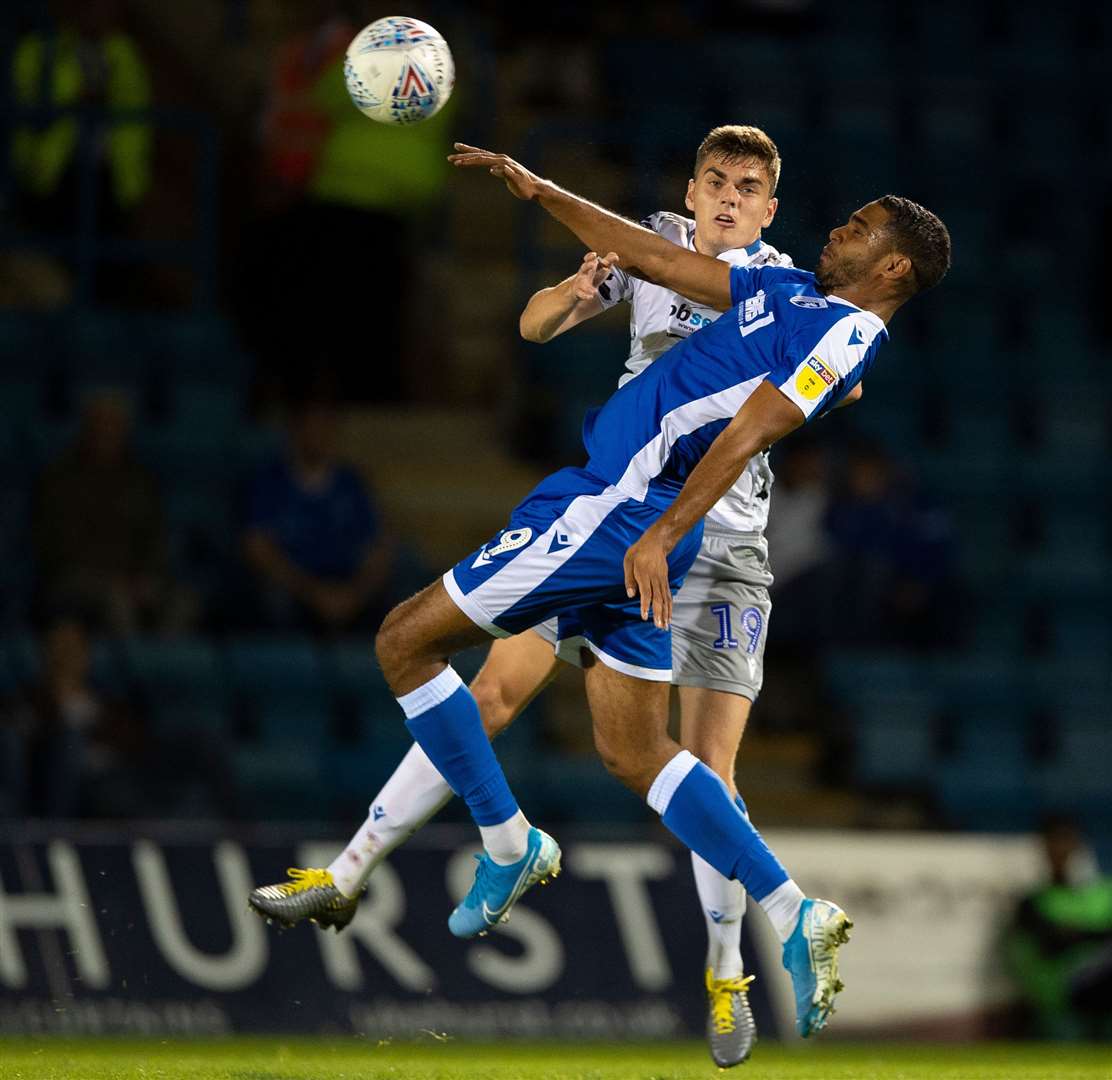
(659,317)
(655,429)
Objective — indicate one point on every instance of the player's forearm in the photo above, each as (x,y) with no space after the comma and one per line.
(547,311)
(765,417)
(641,251)
(708,482)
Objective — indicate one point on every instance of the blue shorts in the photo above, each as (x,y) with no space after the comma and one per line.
(562,554)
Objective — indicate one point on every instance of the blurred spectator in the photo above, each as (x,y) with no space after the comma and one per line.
(1060,943)
(89,61)
(344,202)
(67,749)
(314,537)
(294,124)
(798,544)
(892,561)
(58,729)
(99,535)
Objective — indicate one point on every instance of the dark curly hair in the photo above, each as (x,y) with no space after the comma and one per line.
(921,236)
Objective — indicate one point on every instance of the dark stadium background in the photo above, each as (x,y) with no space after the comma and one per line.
(939,663)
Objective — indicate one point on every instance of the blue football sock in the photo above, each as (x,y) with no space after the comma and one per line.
(696,806)
(444,719)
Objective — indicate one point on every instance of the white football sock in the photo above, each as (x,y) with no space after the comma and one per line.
(413,794)
(723,903)
(782,907)
(507,843)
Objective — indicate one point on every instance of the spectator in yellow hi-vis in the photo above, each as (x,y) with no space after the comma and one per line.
(87,61)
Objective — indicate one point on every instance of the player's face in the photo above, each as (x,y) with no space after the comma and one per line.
(732,202)
(854,249)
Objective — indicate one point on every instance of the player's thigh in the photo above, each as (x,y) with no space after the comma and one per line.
(712,723)
(630,718)
(516,670)
(420,634)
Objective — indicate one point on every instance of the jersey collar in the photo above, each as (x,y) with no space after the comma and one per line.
(749,250)
(871,316)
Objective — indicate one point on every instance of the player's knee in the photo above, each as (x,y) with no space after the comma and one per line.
(621,760)
(495,711)
(389,644)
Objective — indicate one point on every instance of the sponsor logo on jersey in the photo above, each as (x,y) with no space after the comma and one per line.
(684,320)
(814,378)
(814,302)
(510,540)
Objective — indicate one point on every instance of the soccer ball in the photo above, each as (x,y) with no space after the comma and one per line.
(399,70)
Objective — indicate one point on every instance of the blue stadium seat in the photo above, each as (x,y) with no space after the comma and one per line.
(208,408)
(23,657)
(29,345)
(853,674)
(956,115)
(276,669)
(1077,420)
(980,683)
(195,348)
(105,348)
(894,739)
(987,783)
(182,681)
(189,666)
(1075,779)
(283,780)
(999,628)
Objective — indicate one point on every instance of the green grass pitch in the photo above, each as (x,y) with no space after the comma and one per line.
(358,1059)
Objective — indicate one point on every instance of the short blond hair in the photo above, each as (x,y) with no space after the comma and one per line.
(735,142)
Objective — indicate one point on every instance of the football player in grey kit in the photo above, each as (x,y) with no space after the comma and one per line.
(720,616)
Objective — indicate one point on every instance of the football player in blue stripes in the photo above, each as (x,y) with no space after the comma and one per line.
(721,613)
(606,545)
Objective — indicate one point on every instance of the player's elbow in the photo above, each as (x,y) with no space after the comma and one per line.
(529,330)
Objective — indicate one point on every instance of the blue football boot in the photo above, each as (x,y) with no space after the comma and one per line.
(811,957)
(497,888)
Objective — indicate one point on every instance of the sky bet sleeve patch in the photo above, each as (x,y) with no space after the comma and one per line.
(831,363)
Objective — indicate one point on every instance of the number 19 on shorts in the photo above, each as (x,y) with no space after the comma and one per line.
(751,623)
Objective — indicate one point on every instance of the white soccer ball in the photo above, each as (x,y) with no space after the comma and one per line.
(399,70)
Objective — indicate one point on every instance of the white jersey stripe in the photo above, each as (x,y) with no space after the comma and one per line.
(649,460)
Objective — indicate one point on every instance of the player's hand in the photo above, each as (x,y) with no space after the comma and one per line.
(646,575)
(522,183)
(593,271)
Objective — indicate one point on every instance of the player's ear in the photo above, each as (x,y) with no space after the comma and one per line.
(898,267)
(770,211)
(689,199)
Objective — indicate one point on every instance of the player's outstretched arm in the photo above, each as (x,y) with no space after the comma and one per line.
(642,252)
(553,310)
(766,416)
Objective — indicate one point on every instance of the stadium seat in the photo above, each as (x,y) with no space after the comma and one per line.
(986,782)
(195,348)
(895,740)
(1075,779)
(181,681)
(855,675)
(955,114)
(275,667)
